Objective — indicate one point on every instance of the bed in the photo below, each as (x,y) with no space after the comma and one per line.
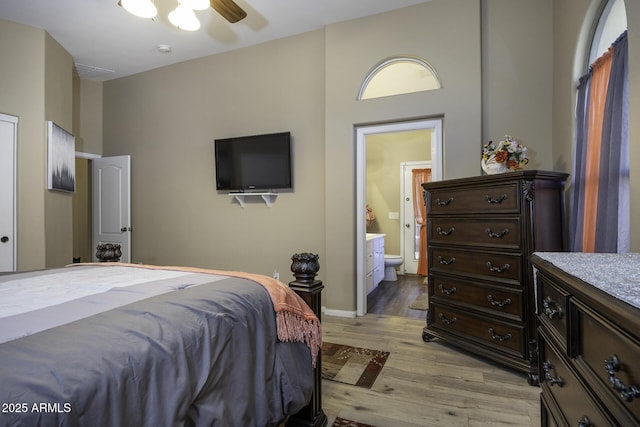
(116,344)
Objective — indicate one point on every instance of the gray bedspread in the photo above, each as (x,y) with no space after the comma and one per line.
(204,355)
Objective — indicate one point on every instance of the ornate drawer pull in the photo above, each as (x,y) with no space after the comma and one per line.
(551,308)
(446,291)
(498,303)
(495,269)
(498,199)
(498,235)
(584,421)
(444,202)
(445,261)
(498,337)
(442,232)
(547,367)
(447,321)
(612,365)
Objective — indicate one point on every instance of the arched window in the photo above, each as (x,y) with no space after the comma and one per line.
(397,76)
(612,23)
(600,213)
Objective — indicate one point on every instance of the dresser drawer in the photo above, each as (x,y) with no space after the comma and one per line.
(604,350)
(552,308)
(560,382)
(499,233)
(504,336)
(547,413)
(483,297)
(499,198)
(489,265)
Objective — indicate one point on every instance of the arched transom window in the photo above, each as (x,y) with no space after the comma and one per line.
(398,76)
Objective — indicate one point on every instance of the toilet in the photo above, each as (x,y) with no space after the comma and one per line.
(391,262)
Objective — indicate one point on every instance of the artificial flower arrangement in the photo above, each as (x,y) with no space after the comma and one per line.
(508,152)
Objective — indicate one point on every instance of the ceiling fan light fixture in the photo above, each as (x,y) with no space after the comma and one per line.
(196,4)
(184,18)
(141,8)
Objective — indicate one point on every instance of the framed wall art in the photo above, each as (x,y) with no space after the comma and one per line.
(62,159)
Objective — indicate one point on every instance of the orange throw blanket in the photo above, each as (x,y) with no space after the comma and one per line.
(295,320)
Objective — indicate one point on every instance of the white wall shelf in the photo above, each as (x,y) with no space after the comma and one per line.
(268,198)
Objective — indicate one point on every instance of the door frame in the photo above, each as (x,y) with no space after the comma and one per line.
(361,133)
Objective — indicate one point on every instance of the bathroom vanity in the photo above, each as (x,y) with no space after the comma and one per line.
(480,234)
(375,261)
(588,308)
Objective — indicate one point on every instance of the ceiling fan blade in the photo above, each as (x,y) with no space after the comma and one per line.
(229,10)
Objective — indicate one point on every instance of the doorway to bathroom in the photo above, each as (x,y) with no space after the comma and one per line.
(379,148)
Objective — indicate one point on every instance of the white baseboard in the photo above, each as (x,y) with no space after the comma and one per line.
(338,313)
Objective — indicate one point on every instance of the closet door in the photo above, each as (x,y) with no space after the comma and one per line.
(8,142)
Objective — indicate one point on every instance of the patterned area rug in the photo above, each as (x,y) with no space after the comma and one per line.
(352,365)
(420,303)
(341,422)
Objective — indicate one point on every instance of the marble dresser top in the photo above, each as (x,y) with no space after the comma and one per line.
(615,274)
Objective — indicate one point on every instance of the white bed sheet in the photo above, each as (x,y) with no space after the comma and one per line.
(44,291)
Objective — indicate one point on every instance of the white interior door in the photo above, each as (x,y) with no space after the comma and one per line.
(8,142)
(112,203)
(410,232)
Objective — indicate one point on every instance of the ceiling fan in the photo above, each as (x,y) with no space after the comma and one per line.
(147,9)
(229,10)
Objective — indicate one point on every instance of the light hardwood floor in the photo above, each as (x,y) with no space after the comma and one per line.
(394,298)
(425,384)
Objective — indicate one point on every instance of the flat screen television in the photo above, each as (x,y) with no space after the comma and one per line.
(256,162)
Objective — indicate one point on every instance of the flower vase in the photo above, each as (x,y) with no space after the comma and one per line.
(491,167)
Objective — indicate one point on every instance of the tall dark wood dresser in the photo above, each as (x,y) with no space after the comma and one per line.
(480,234)
(589,329)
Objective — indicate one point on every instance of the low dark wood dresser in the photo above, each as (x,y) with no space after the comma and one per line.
(589,328)
(480,234)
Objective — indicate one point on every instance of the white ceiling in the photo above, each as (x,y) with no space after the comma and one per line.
(107,42)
